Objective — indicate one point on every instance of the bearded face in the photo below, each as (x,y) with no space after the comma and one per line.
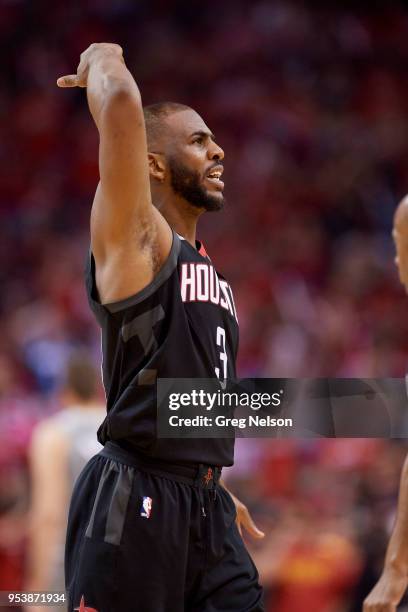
(192,187)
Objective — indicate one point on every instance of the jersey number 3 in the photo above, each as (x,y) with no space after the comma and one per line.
(220,340)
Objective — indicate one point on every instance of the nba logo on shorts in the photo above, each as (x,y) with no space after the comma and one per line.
(146,507)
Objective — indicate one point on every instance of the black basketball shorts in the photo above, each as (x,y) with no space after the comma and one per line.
(149,537)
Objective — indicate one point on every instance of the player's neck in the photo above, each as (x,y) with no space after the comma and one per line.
(182,217)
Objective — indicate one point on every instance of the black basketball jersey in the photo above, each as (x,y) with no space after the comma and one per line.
(182,325)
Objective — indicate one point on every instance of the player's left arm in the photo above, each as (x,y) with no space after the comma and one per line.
(244,519)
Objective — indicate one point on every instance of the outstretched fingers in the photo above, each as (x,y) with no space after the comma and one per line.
(70,80)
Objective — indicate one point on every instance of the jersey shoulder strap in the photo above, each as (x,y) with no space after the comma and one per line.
(102,310)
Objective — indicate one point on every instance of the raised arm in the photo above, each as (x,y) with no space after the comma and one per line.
(130,239)
(391,586)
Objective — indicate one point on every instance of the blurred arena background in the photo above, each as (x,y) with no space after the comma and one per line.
(310,103)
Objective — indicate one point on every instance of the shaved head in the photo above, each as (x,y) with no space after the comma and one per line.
(155,116)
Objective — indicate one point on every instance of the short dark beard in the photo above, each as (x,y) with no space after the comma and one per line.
(187,184)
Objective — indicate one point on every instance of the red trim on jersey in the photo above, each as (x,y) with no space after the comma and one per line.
(202,250)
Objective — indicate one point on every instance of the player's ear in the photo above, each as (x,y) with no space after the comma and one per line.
(157,166)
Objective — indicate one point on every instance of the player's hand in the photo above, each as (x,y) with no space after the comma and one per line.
(387,593)
(244,519)
(90,54)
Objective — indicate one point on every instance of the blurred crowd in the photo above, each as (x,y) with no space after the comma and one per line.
(310,103)
(310,106)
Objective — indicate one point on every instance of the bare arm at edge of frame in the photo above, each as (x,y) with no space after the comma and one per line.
(400,235)
(390,588)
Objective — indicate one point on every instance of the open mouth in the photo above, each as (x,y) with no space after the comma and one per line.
(214,176)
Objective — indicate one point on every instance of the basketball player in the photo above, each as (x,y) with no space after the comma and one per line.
(393,582)
(150,529)
(61,446)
